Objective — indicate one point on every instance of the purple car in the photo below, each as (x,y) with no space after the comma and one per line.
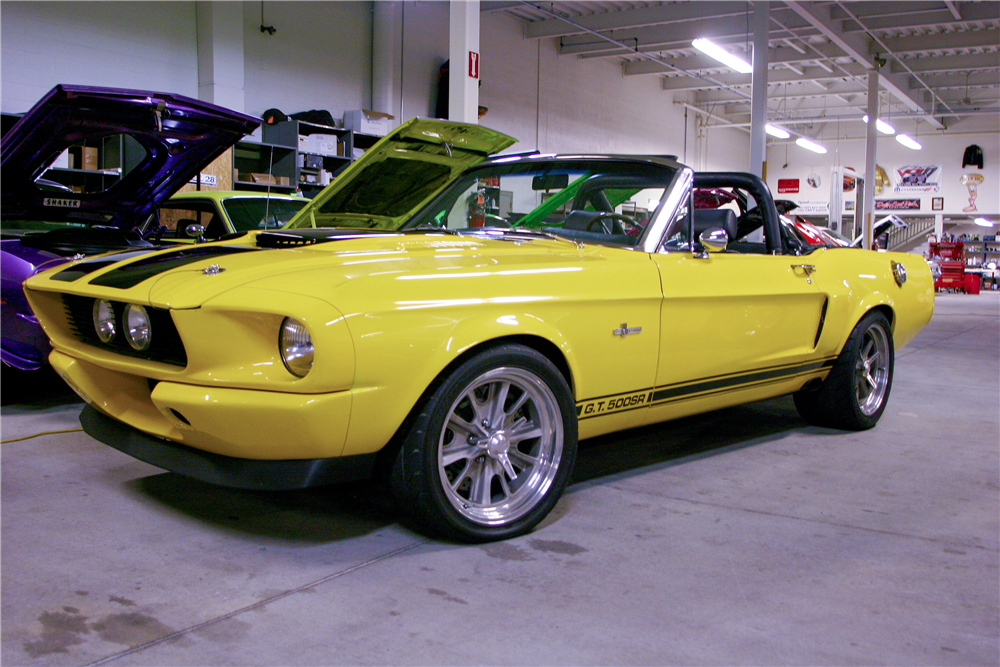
(130,151)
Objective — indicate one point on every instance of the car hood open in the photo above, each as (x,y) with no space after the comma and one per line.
(180,136)
(384,187)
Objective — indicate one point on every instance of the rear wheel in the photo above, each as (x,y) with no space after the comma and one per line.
(491,449)
(854,395)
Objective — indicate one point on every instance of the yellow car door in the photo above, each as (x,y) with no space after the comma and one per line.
(732,320)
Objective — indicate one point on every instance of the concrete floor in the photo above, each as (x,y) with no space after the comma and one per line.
(741,537)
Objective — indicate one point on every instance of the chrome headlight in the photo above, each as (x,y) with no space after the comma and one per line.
(296,347)
(138,332)
(104,320)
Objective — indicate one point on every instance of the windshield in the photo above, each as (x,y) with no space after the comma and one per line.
(606,201)
(250,213)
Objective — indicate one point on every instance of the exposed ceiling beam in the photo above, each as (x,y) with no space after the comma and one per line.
(970,11)
(942,41)
(776,57)
(635,18)
(979,61)
(779,76)
(856,46)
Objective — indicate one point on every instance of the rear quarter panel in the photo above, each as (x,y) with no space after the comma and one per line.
(856,281)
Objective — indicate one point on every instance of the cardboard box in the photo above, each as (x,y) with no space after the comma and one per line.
(358,152)
(284,180)
(323,144)
(367,122)
(83,157)
(303,143)
(263,178)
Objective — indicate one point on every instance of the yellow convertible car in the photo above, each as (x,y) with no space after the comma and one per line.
(456,323)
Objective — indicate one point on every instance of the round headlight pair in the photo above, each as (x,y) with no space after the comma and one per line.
(296,347)
(138,331)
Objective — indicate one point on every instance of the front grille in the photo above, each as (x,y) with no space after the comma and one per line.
(165,344)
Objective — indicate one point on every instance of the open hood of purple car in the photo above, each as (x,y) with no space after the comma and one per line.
(178,137)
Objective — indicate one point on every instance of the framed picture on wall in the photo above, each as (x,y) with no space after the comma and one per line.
(937,203)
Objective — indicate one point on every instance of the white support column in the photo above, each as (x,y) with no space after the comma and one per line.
(387,46)
(938,225)
(758,102)
(463,50)
(220,53)
(868,212)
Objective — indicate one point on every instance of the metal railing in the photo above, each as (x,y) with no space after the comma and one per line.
(906,236)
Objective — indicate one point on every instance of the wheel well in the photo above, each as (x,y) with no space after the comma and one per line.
(889,315)
(544,347)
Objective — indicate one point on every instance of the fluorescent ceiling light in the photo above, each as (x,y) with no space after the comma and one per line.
(810,145)
(983,222)
(909,143)
(723,56)
(776,131)
(882,126)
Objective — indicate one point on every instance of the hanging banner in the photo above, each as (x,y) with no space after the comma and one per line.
(918,178)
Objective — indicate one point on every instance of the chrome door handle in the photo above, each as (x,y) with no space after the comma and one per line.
(807,269)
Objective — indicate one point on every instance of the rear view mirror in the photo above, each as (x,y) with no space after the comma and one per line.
(550,182)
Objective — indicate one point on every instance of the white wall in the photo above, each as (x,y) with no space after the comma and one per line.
(319,57)
(424,50)
(580,105)
(938,149)
(146,45)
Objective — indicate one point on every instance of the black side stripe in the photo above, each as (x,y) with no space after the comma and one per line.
(735,381)
(644,398)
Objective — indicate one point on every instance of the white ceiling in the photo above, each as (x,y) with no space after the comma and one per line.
(942,59)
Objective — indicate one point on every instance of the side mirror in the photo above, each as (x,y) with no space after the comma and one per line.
(713,241)
(195,231)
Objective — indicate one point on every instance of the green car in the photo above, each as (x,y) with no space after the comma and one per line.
(188,216)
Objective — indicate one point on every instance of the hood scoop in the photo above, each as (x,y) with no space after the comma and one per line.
(294,238)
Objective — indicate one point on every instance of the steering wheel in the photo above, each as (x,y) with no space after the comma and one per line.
(608,223)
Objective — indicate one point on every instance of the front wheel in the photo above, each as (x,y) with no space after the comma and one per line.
(854,395)
(491,448)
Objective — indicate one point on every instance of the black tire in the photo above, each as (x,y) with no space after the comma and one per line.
(459,476)
(854,395)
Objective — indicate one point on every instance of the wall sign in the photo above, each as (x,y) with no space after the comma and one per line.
(897,204)
(473,64)
(918,178)
(786,185)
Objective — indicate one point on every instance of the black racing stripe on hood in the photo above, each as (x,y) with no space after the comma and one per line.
(84,268)
(132,274)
